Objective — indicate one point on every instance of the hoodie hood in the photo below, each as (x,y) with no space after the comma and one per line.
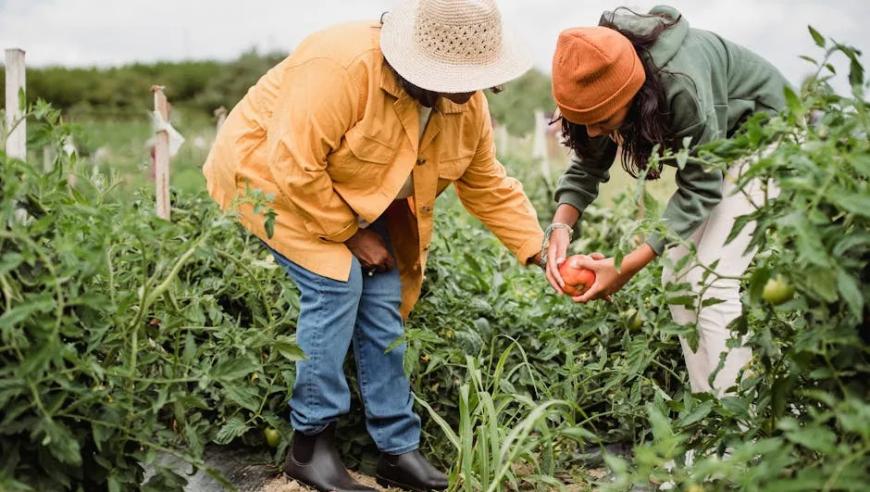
(670,40)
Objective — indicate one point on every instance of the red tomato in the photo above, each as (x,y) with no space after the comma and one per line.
(577,279)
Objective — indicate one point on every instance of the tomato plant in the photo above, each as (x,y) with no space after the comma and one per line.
(124,338)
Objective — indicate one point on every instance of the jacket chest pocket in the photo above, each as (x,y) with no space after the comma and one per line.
(451,169)
(360,155)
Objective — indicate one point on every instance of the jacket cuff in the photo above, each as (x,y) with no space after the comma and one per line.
(342,235)
(529,249)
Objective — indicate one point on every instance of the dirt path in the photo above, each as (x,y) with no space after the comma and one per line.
(283,484)
(251,470)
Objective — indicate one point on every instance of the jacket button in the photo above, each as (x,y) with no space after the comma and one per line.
(421,161)
(426,209)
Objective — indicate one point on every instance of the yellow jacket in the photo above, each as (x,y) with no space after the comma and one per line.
(331,136)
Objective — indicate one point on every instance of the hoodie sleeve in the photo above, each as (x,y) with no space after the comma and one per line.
(578,186)
(698,190)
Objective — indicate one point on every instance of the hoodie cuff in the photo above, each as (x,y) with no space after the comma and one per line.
(577,200)
(657,243)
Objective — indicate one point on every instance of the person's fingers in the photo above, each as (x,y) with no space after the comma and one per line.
(553,262)
(364,262)
(387,262)
(554,276)
(583,261)
(552,280)
(597,256)
(590,293)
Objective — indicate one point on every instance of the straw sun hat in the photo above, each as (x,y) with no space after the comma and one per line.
(452,46)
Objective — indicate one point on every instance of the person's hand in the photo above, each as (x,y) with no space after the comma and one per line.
(371,251)
(608,280)
(536,260)
(556,251)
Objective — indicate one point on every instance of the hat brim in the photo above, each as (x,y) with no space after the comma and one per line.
(426,72)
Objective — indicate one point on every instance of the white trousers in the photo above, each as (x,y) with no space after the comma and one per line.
(733,259)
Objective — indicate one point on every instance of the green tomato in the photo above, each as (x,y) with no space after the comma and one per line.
(272,437)
(633,319)
(777,290)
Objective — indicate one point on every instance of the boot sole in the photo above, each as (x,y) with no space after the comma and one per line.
(306,483)
(387,483)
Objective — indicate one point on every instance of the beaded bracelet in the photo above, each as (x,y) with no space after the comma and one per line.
(546,244)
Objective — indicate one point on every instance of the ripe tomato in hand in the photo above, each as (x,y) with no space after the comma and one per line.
(577,279)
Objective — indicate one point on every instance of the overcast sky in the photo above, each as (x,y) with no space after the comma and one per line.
(110,32)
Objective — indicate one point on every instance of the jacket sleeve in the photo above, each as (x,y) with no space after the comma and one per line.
(316,108)
(498,200)
(578,186)
(698,190)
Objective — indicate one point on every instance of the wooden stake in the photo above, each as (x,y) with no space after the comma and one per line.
(220,115)
(161,156)
(16,125)
(502,140)
(539,143)
(48,156)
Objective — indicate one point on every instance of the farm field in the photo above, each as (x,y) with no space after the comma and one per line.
(126,340)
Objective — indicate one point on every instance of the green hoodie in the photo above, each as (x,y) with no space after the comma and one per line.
(711,86)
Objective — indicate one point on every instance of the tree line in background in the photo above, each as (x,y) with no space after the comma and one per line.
(203,86)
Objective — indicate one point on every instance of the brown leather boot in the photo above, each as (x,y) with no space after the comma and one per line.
(313,460)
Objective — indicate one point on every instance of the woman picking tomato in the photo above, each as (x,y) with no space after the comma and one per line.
(354,135)
(640,81)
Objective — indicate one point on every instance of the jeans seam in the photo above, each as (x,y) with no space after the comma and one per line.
(363,376)
(310,389)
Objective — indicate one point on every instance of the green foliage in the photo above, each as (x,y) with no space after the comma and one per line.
(516,105)
(124,91)
(122,336)
(203,86)
(799,419)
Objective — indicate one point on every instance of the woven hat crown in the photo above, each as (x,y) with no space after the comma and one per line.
(459,31)
(452,46)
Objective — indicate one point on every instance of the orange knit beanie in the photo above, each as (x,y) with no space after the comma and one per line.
(596,71)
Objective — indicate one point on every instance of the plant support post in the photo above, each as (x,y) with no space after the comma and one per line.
(220,115)
(539,144)
(161,154)
(16,124)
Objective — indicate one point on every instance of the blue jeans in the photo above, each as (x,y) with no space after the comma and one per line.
(365,311)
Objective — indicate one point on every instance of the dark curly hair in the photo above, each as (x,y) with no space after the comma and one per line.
(647,123)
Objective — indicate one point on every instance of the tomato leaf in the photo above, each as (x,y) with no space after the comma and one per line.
(233,428)
(851,292)
(290,351)
(817,37)
(232,369)
(60,442)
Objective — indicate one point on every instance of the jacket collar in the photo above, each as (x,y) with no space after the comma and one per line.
(668,43)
